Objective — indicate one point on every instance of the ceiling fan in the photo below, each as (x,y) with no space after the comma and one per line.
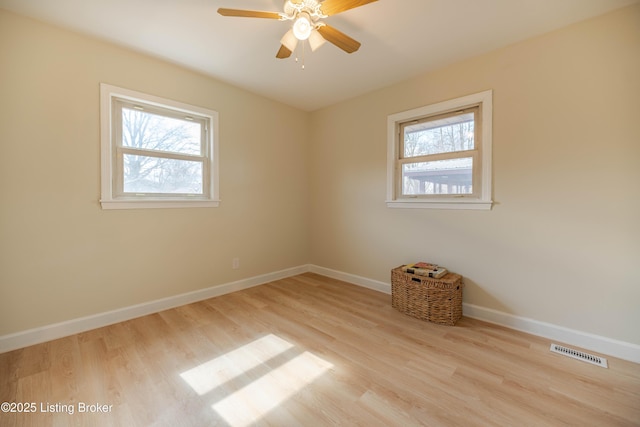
(307,16)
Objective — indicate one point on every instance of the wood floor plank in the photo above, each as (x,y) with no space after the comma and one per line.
(310,350)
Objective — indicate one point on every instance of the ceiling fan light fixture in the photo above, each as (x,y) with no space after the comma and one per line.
(307,23)
(302,26)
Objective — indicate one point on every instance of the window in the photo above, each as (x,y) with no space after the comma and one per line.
(439,156)
(156,153)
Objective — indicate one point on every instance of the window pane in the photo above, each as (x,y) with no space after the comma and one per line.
(148,131)
(440,177)
(445,135)
(144,174)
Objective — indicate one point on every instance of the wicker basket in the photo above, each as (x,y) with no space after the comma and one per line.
(435,300)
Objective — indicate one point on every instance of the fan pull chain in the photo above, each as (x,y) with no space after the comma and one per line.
(303,43)
(303,50)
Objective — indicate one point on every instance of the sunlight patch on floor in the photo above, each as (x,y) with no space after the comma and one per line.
(249,404)
(266,372)
(218,371)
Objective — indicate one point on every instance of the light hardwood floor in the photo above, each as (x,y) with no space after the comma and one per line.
(310,351)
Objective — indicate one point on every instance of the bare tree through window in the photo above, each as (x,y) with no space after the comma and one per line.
(158,153)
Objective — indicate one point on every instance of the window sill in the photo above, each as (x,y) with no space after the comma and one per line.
(158,204)
(441,204)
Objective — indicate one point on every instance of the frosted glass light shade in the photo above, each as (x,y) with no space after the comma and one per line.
(315,40)
(289,41)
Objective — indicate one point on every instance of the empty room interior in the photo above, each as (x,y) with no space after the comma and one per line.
(234,268)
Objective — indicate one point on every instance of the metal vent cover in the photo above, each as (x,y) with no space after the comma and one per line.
(579,355)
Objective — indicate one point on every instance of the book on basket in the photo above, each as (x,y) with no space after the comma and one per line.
(425,269)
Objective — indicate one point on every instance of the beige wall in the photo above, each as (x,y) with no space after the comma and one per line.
(61,256)
(562,243)
(560,246)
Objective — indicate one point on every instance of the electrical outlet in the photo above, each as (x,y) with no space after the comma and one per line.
(235,263)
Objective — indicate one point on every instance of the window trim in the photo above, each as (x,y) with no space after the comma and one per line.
(481,201)
(110,199)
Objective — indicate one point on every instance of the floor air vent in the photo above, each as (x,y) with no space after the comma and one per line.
(585,357)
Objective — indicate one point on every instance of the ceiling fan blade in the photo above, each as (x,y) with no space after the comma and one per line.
(248,13)
(283,52)
(339,38)
(332,7)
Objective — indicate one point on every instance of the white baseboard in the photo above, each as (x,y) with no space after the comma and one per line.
(585,340)
(597,343)
(352,278)
(83,324)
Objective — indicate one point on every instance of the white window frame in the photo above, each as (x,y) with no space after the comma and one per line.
(481,199)
(111,172)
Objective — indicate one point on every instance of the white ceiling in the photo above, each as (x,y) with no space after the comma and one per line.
(400,38)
